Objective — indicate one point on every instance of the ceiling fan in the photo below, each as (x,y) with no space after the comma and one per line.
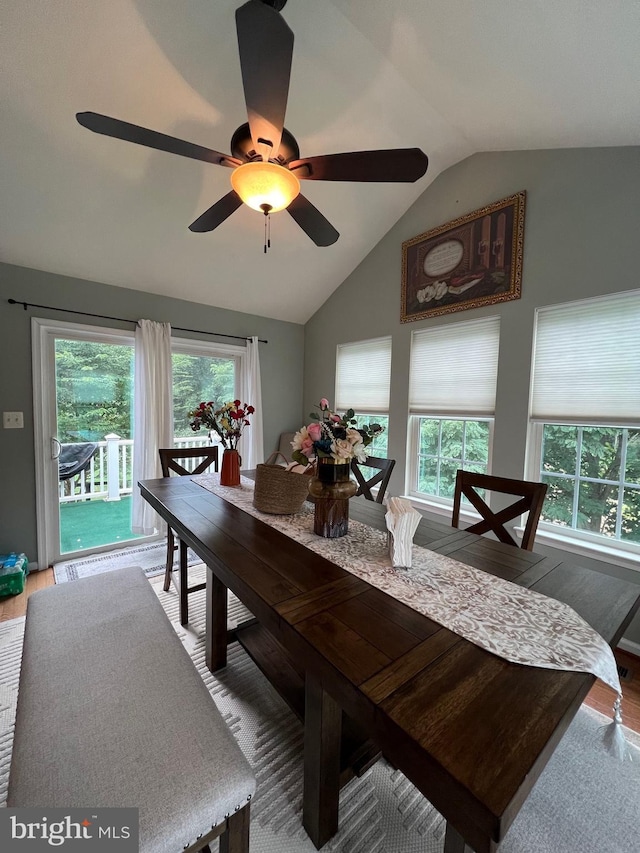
(265,158)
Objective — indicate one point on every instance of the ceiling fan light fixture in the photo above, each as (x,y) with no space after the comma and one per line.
(261,184)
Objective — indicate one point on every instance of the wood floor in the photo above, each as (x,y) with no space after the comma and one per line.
(600,698)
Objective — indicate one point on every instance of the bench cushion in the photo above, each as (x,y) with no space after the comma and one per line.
(112,712)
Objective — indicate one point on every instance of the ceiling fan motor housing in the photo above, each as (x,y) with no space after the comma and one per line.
(242,146)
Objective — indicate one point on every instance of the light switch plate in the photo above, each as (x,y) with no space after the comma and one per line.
(12,420)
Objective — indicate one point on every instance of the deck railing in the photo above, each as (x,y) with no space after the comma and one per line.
(110,472)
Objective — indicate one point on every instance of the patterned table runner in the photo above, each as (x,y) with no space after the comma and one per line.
(515,623)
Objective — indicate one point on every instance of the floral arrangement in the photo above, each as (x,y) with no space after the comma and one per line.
(228,421)
(333,436)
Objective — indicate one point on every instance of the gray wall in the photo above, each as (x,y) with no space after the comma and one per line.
(581,239)
(281,362)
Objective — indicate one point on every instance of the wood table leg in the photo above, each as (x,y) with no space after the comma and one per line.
(322,734)
(216,623)
(454,842)
(183,586)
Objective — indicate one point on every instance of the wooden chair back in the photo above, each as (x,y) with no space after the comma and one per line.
(169,459)
(530,494)
(380,479)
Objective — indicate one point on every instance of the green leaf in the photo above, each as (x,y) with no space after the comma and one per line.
(299,457)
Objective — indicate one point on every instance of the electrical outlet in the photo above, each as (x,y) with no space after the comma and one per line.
(12,420)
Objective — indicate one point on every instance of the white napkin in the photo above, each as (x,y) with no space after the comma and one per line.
(402,521)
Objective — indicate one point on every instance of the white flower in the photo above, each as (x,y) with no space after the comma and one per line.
(440,289)
(360,452)
(299,438)
(342,450)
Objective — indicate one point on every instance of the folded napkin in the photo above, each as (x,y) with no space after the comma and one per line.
(402,521)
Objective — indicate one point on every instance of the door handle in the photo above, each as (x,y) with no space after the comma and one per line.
(55,446)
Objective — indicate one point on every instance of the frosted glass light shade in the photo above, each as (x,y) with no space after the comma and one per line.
(263,183)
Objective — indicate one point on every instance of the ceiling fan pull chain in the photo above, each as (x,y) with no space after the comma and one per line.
(266,209)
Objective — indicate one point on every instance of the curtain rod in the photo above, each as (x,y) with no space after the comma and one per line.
(26,305)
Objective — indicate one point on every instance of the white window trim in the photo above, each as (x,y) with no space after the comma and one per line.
(626,554)
(434,503)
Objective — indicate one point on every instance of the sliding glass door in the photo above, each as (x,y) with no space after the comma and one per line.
(84,427)
(83,408)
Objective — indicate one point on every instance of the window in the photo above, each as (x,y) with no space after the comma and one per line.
(452,390)
(363,376)
(585,412)
(446,445)
(201,372)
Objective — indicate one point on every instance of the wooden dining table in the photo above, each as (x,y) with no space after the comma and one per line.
(371,677)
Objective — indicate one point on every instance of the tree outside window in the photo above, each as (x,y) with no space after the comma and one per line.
(593,478)
(446,445)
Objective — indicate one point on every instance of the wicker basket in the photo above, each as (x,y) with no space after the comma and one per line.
(277,490)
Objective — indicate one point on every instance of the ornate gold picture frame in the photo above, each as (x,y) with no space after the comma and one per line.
(471,261)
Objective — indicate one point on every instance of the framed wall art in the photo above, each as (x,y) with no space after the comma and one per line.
(471,261)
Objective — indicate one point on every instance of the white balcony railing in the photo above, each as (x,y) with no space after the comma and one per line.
(110,472)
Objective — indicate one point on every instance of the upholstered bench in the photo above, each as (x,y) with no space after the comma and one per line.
(112,712)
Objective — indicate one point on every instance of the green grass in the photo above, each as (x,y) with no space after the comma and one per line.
(87,524)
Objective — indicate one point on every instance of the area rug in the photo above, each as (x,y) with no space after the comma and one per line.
(584,802)
(151,558)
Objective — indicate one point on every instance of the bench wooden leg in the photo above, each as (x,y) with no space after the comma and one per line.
(216,623)
(322,735)
(236,837)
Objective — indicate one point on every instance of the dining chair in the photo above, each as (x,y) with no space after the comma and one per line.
(284,445)
(380,479)
(531,495)
(170,460)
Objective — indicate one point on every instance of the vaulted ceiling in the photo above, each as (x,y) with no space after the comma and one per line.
(452,77)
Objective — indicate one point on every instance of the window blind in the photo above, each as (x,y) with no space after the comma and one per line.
(363,375)
(586,365)
(454,369)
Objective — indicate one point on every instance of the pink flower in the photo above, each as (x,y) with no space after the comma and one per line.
(307,448)
(354,436)
(335,418)
(315,432)
(324,403)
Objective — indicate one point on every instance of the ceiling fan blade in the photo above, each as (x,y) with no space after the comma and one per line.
(390,165)
(312,222)
(217,213)
(265,44)
(152,139)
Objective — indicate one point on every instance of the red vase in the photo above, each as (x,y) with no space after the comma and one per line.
(230,472)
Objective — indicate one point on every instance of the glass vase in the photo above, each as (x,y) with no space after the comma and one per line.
(230,471)
(331,488)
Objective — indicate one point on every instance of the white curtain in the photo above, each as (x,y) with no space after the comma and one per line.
(153,414)
(252,449)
